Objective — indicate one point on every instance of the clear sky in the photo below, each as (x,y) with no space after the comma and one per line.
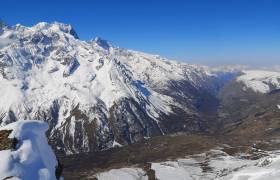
(198,31)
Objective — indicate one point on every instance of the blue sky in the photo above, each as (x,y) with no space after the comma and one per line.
(212,32)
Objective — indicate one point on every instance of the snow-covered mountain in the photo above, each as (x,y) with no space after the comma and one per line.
(95,95)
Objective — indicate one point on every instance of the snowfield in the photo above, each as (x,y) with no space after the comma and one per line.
(208,166)
(260,81)
(123,174)
(33,158)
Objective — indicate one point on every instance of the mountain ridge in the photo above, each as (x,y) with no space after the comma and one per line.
(93,94)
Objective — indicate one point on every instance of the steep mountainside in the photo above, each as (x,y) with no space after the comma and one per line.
(95,95)
(249,105)
(246,138)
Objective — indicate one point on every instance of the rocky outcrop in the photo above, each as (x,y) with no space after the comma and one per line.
(6,142)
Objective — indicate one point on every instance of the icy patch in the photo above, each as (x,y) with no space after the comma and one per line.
(33,158)
(123,174)
(171,170)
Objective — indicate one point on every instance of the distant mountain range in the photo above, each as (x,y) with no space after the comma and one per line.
(95,95)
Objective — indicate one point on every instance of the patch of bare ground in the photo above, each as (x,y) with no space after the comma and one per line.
(162,148)
(158,149)
(6,142)
(140,154)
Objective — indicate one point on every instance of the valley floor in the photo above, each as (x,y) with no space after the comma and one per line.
(193,156)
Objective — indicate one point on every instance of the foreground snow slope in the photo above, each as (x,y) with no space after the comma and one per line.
(32,158)
(211,165)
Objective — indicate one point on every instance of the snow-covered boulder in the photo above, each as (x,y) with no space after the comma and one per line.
(31,157)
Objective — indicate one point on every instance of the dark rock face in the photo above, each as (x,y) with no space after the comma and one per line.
(58,170)
(198,106)
(130,123)
(6,142)
(84,128)
(73,33)
(103,43)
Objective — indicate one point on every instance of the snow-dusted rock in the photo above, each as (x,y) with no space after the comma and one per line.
(32,157)
(260,81)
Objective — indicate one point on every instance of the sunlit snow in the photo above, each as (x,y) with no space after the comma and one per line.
(260,81)
(33,158)
(208,166)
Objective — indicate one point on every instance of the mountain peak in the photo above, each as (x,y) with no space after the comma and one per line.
(102,43)
(67,28)
(56,26)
